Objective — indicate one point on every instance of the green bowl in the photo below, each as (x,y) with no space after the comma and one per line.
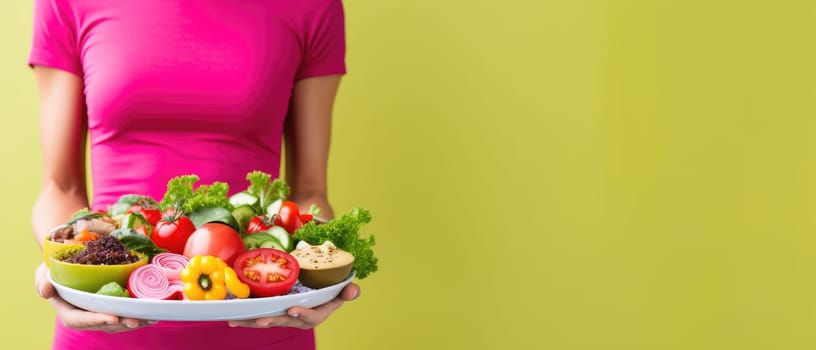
(90,278)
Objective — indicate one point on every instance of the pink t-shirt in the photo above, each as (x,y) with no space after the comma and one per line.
(177,87)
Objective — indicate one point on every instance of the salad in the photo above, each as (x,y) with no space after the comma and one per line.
(203,244)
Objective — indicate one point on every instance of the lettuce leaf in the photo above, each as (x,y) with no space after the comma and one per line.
(182,193)
(206,196)
(113,289)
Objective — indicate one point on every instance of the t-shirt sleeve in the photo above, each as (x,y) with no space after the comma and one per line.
(324,51)
(54,37)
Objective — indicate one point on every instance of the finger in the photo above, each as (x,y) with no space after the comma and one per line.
(266,322)
(132,323)
(124,326)
(241,323)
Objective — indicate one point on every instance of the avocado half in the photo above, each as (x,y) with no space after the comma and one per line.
(322,266)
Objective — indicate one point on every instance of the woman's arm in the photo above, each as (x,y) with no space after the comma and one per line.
(308,132)
(62,134)
(308,137)
(62,143)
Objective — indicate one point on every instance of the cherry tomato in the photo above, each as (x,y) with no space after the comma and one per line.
(290,216)
(306,217)
(268,272)
(259,223)
(215,239)
(171,233)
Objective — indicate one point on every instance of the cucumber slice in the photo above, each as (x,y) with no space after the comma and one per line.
(244,198)
(274,207)
(283,237)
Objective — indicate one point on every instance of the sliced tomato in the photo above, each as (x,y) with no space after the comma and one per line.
(268,272)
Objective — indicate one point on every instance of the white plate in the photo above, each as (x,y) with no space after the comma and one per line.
(199,310)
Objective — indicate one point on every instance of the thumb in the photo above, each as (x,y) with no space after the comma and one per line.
(44,288)
(350,292)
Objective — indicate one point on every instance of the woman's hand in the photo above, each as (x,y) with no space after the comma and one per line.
(300,317)
(307,136)
(73,317)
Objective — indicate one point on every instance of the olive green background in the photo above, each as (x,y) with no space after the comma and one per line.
(578,174)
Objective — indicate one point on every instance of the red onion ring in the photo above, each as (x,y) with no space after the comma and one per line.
(150,282)
(171,264)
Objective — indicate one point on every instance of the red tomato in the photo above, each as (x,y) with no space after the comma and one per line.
(151,215)
(215,239)
(268,272)
(290,216)
(305,217)
(171,233)
(258,223)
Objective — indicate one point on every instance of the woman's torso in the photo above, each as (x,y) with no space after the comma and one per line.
(184,87)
